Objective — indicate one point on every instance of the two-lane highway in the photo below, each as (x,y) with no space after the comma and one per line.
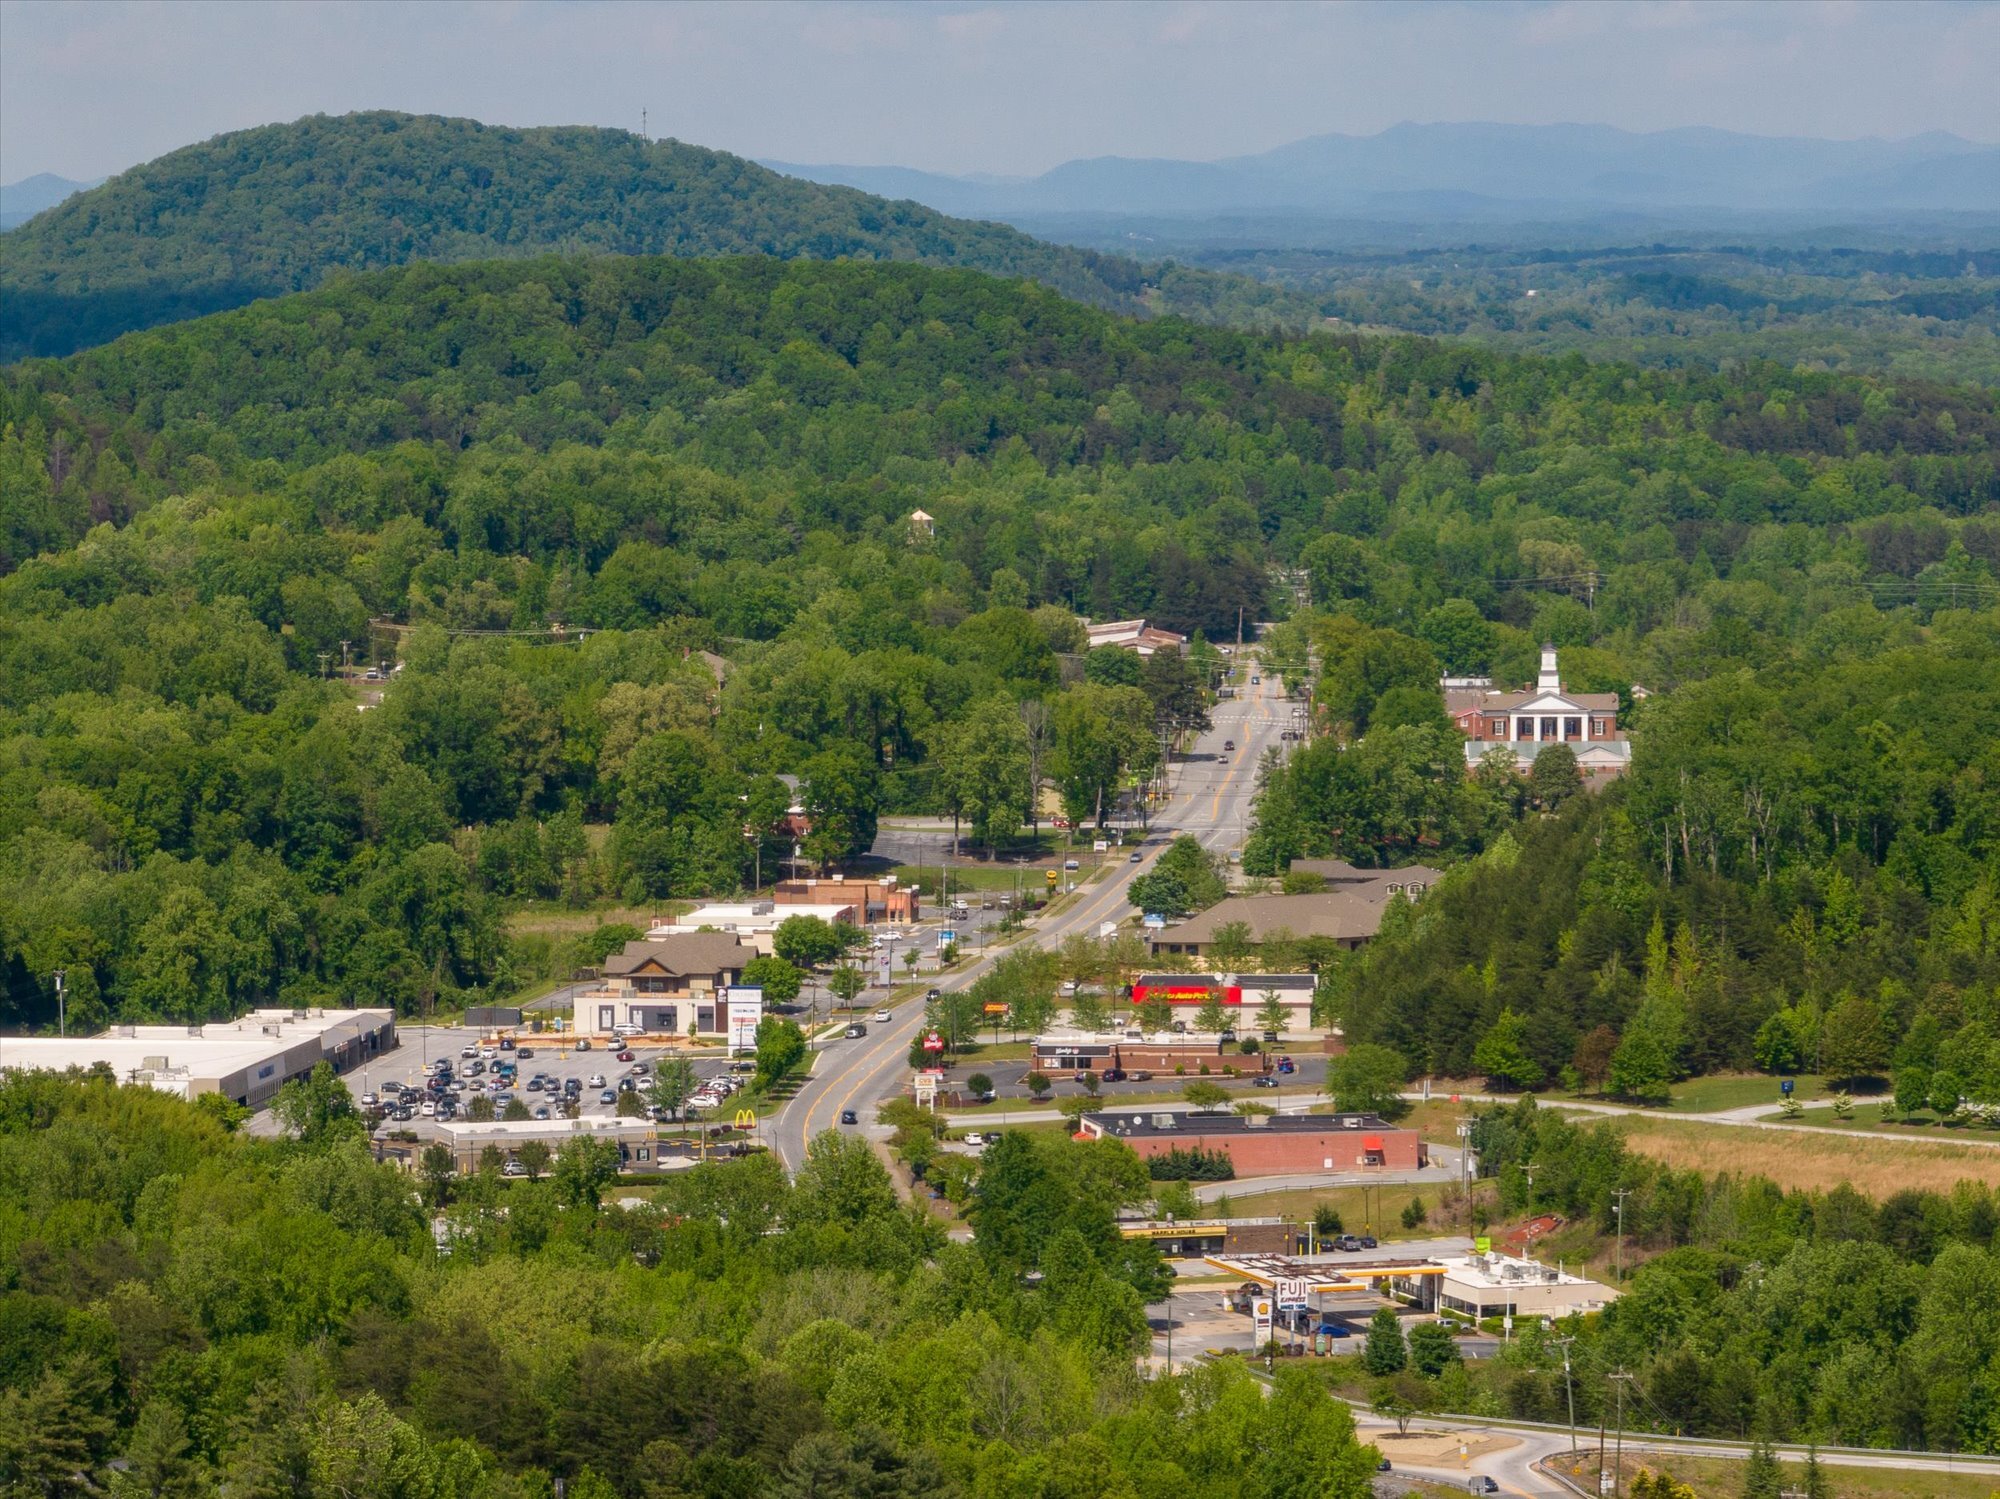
(1213,789)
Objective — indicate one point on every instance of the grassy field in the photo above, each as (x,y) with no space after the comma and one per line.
(1868,1116)
(1710,1095)
(1877,1168)
(1722,1478)
(1375,1210)
(547,919)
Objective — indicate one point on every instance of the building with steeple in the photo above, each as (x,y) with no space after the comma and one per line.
(1527,722)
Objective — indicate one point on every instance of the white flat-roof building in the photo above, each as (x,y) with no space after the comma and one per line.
(1479,1286)
(467,1140)
(751,921)
(247,1060)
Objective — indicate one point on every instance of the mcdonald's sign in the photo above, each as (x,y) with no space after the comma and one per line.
(746,1119)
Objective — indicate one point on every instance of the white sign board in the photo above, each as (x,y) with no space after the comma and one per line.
(1107,928)
(1155,922)
(746,1013)
(946,936)
(1293,1292)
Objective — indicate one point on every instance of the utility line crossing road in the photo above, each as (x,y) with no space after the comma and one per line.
(1212,792)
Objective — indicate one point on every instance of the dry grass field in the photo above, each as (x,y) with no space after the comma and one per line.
(1876,1167)
(1722,1478)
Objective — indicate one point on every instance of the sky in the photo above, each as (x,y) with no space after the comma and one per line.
(89,89)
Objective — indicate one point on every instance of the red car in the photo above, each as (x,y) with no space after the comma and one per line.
(624,1056)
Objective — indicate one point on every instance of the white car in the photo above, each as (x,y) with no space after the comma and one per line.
(429,1109)
(881,1017)
(974,1137)
(596,1079)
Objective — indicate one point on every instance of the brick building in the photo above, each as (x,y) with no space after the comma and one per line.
(1158,1053)
(1528,722)
(876,900)
(1271,1145)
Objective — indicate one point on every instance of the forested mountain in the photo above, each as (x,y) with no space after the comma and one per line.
(21,201)
(261,212)
(667,454)
(1483,171)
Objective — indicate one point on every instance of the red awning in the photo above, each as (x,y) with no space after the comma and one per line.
(1371,1142)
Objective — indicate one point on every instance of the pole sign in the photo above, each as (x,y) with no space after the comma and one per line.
(933,1042)
(1785,1086)
(946,936)
(746,1013)
(1261,1310)
(1293,1293)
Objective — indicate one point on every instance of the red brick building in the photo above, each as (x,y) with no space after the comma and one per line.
(1527,722)
(876,900)
(1270,1145)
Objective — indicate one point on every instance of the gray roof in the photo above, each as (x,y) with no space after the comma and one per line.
(1339,914)
(691,953)
(1374,884)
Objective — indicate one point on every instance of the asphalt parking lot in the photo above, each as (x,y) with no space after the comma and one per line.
(1307,1077)
(556,1057)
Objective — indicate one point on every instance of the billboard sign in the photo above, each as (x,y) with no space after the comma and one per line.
(746,1013)
(1293,1292)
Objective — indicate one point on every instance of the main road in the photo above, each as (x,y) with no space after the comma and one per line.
(1210,799)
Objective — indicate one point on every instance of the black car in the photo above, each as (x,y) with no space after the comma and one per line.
(525,1053)
(1368,1242)
(847,1116)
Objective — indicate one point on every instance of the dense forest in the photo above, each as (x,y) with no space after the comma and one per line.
(543,486)
(279,208)
(1925,313)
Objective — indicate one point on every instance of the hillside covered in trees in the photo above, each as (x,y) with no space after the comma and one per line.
(665,456)
(276,209)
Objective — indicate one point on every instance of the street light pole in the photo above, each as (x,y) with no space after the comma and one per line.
(62,1007)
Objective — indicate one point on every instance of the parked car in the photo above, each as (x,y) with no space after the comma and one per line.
(974,1137)
(583,1043)
(1368,1242)
(628,1085)
(640,1069)
(1286,1064)
(1255,680)
(607,1096)
(1328,1329)
(1347,1244)
(596,1079)
(506,1043)
(542,1112)
(468,1051)
(625,1056)
(1071,864)
(1113,1074)
(1142,1076)
(513,1168)
(369,1100)
(525,1053)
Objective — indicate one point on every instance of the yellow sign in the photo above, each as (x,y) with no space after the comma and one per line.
(1050,876)
(746,1118)
(994,1009)
(1482,1245)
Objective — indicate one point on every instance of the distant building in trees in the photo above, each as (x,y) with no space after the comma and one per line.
(1136,635)
(1529,721)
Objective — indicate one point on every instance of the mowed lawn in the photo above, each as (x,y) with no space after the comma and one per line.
(1876,1168)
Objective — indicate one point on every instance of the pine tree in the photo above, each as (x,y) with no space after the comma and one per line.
(1761,1478)
(1384,1353)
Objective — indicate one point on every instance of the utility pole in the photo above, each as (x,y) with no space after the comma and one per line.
(1569,1390)
(1618,1212)
(324,657)
(62,1008)
(1465,1170)
(1620,1379)
(343,656)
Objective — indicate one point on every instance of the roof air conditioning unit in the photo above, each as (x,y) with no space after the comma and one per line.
(153,1064)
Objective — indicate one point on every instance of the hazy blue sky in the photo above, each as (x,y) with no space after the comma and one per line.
(87,89)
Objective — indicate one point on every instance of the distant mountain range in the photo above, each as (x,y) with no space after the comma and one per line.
(277,209)
(21,201)
(1481,171)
